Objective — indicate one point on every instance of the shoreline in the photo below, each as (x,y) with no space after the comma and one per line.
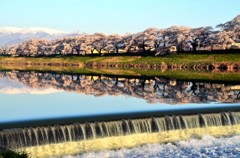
(209,67)
(215,62)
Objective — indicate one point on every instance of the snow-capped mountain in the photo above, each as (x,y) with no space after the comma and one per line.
(31,30)
(15,35)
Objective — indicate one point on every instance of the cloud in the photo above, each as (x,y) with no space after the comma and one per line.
(15,87)
(27,90)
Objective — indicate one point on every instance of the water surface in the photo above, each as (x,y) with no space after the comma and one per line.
(38,95)
(48,111)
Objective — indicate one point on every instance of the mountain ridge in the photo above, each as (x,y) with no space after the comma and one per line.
(15,35)
(31,30)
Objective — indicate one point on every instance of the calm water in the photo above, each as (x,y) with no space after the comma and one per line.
(39,108)
(35,95)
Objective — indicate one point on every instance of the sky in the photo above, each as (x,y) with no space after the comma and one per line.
(115,16)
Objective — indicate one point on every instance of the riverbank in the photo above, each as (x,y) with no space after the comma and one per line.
(186,75)
(179,59)
(200,67)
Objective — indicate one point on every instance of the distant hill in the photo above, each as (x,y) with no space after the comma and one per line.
(14,35)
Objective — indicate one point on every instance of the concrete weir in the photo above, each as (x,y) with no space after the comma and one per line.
(44,134)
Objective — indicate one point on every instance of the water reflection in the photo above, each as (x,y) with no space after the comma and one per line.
(153,90)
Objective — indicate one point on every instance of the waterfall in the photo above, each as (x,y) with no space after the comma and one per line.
(21,137)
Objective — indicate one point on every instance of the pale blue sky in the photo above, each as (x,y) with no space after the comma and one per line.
(20,107)
(115,16)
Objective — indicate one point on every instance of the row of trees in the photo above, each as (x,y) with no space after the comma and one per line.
(150,40)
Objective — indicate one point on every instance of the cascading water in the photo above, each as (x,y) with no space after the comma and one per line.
(23,137)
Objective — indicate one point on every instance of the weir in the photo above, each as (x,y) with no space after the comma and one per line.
(26,137)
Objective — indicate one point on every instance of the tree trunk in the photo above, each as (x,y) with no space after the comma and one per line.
(143,47)
(116,83)
(143,84)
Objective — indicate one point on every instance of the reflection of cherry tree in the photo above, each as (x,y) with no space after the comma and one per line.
(238,95)
(151,89)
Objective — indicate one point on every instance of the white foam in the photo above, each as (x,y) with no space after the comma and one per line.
(208,146)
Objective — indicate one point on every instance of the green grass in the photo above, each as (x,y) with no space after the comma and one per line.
(184,59)
(191,58)
(174,74)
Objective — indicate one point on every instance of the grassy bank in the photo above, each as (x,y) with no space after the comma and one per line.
(57,64)
(172,74)
(184,59)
